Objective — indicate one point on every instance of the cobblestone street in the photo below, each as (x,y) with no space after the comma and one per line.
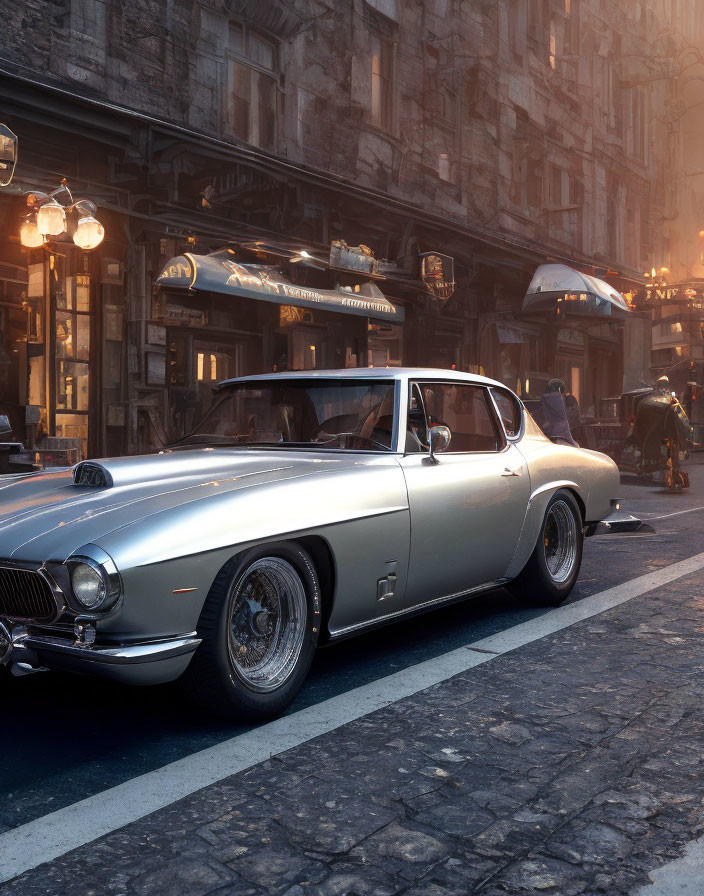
(571,765)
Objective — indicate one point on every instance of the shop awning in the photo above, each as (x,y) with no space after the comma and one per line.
(557,287)
(220,273)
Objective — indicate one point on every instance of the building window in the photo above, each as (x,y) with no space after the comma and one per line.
(564,198)
(382,78)
(635,110)
(252,105)
(537,27)
(612,228)
(553,44)
(448,106)
(88,18)
(305,114)
(517,26)
(526,190)
(444,166)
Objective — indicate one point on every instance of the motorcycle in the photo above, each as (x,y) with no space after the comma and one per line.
(659,439)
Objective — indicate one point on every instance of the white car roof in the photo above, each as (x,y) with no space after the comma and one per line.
(391,373)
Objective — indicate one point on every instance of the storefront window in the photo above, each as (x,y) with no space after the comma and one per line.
(72,326)
(72,426)
(71,385)
(212,366)
(37,390)
(385,344)
(308,348)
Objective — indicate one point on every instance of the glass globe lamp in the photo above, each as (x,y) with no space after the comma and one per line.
(30,236)
(51,218)
(89,232)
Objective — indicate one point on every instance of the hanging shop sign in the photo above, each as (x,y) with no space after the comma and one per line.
(438,274)
(185,317)
(219,273)
(683,293)
(8,155)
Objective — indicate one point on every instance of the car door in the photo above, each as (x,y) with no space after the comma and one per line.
(467,508)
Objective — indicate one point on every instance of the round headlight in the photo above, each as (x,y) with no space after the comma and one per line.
(88,585)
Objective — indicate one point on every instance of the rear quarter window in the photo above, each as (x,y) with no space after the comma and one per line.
(509,410)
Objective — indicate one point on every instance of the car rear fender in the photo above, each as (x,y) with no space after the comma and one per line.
(533,520)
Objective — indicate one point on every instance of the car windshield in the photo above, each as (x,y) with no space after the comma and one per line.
(337,413)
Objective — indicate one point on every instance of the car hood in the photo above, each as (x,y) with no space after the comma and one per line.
(46,516)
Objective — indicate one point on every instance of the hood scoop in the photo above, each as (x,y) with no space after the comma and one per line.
(91,475)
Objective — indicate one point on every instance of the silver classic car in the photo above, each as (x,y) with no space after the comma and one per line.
(304,508)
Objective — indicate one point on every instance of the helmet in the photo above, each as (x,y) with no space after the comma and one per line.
(663,383)
(556,385)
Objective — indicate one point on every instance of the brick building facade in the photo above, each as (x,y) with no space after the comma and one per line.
(503,133)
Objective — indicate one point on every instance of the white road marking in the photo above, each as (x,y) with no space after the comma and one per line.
(667,516)
(681,877)
(53,835)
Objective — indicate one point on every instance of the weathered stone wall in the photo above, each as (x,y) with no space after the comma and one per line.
(552,123)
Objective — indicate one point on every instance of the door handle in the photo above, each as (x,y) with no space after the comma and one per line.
(508,472)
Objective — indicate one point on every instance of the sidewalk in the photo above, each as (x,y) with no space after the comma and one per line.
(572,765)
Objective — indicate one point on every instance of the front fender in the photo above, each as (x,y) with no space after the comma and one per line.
(169,560)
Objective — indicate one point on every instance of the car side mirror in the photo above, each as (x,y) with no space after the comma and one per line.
(439,439)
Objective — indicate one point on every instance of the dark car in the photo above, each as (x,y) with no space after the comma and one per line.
(12,459)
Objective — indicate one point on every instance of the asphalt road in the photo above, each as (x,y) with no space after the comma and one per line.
(68,737)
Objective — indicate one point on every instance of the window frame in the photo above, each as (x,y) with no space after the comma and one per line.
(243,58)
(494,416)
(521,410)
(385,117)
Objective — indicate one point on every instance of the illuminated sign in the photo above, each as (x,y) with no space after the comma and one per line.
(438,274)
(679,294)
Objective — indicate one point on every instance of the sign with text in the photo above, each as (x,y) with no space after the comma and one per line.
(683,293)
(438,274)
(221,273)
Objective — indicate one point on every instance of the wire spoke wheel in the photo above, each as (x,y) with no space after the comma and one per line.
(560,540)
(267,616)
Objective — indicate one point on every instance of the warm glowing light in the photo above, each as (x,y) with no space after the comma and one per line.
(664,270)
(701,234)
(51,219)
(652,272)
(30,237)
(89,233)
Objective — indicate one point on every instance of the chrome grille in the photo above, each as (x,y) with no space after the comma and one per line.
(24,594)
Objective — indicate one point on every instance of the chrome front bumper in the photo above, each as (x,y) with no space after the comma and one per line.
(145,662)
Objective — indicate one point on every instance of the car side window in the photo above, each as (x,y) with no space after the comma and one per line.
(509,409)
(466,411)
